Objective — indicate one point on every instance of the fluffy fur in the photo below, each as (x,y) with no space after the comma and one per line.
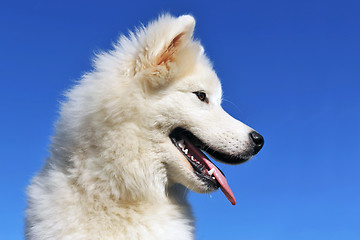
(113,172)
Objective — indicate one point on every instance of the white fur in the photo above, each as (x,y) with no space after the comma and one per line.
(113,172)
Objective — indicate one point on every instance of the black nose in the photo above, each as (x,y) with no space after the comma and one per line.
(258,140)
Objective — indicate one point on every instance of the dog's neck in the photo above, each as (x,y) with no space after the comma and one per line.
(117,169)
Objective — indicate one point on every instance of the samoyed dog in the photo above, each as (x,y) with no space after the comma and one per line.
(132,136)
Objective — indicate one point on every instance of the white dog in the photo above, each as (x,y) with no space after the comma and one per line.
(131,135)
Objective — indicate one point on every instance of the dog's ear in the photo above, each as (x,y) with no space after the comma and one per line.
(163,46)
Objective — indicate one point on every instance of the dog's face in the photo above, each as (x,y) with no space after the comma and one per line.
(186,108)
(196,123)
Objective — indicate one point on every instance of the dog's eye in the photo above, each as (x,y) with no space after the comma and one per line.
(202,96)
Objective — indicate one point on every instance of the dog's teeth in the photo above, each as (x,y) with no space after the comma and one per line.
(192,158)
(181,144)
(211,171)
(186,151)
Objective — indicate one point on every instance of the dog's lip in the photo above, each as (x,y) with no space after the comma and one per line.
(216,175)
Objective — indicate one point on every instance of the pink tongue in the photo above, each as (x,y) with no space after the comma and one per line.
(224,186)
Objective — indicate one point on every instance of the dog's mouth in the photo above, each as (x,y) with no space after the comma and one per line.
(192,148)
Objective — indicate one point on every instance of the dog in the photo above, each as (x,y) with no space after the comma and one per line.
(132,136)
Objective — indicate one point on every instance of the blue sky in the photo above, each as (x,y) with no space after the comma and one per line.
(290,69)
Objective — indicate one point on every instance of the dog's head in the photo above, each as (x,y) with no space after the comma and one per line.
(148,113)
(182,100)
